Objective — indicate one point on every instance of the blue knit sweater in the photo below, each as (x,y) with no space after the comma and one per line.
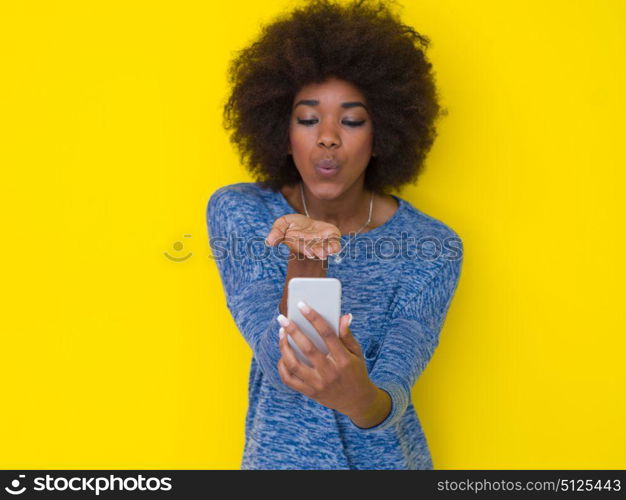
(398,281)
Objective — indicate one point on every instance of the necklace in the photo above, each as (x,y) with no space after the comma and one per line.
(338,258)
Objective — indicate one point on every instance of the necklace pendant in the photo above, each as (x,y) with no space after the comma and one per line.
(338,259)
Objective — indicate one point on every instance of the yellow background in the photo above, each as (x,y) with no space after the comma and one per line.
(113,356)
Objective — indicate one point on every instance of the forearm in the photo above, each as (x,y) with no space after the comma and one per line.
(375,405)
(301,268)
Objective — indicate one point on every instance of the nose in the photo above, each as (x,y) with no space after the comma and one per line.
(328,137)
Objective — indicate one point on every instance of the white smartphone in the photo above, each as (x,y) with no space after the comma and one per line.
(321,294)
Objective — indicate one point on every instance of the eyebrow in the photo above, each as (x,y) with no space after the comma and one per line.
(315,102)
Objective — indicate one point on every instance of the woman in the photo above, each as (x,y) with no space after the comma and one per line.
(330,108)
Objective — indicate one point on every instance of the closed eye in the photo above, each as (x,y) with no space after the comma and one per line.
(350,123)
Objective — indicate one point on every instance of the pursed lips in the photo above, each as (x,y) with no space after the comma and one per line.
(327,168)
(327,164)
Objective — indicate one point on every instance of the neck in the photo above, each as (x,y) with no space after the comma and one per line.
(348,212)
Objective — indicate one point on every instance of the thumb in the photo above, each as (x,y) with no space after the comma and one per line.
(345,334)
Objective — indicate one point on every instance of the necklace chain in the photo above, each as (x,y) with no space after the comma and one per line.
(338,257)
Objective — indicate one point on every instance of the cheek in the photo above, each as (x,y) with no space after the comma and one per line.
(299,140)
(361,144)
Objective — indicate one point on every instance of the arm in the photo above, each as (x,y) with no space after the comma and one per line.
(252,296)
(409,344)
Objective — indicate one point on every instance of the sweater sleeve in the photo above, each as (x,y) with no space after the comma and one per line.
(411,339)
(252,293)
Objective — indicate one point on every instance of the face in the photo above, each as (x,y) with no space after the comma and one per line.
(331,137)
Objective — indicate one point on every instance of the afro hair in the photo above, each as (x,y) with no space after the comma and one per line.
(362,42)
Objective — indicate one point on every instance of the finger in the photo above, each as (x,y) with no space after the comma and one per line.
(308,253)
(292,381)
(315,248)
(292,363)
(312,248)
(306,346)
(298,244)
(334,244)
(323,246)
(345,334)
(333,344)
(277,233)
(318,249)
(327,246)
(330,247)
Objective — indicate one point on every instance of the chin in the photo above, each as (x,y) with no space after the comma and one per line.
(326,190)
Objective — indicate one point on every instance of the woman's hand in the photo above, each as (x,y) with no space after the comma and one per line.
(338,380)
(305,236)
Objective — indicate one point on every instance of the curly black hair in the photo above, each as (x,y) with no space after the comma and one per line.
(364,43)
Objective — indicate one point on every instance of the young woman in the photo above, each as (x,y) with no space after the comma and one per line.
(330,108)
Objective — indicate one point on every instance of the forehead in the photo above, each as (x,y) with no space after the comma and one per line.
(333,91)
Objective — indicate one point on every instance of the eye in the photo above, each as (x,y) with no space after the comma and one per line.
(353,124)
(350,123)
(306,122)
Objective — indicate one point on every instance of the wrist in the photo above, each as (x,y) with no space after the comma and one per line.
(374,408)
(299,265)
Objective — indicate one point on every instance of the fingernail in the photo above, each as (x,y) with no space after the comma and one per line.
(267,243)
(282,320)
(281,333)
(303,307)
(350,319)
